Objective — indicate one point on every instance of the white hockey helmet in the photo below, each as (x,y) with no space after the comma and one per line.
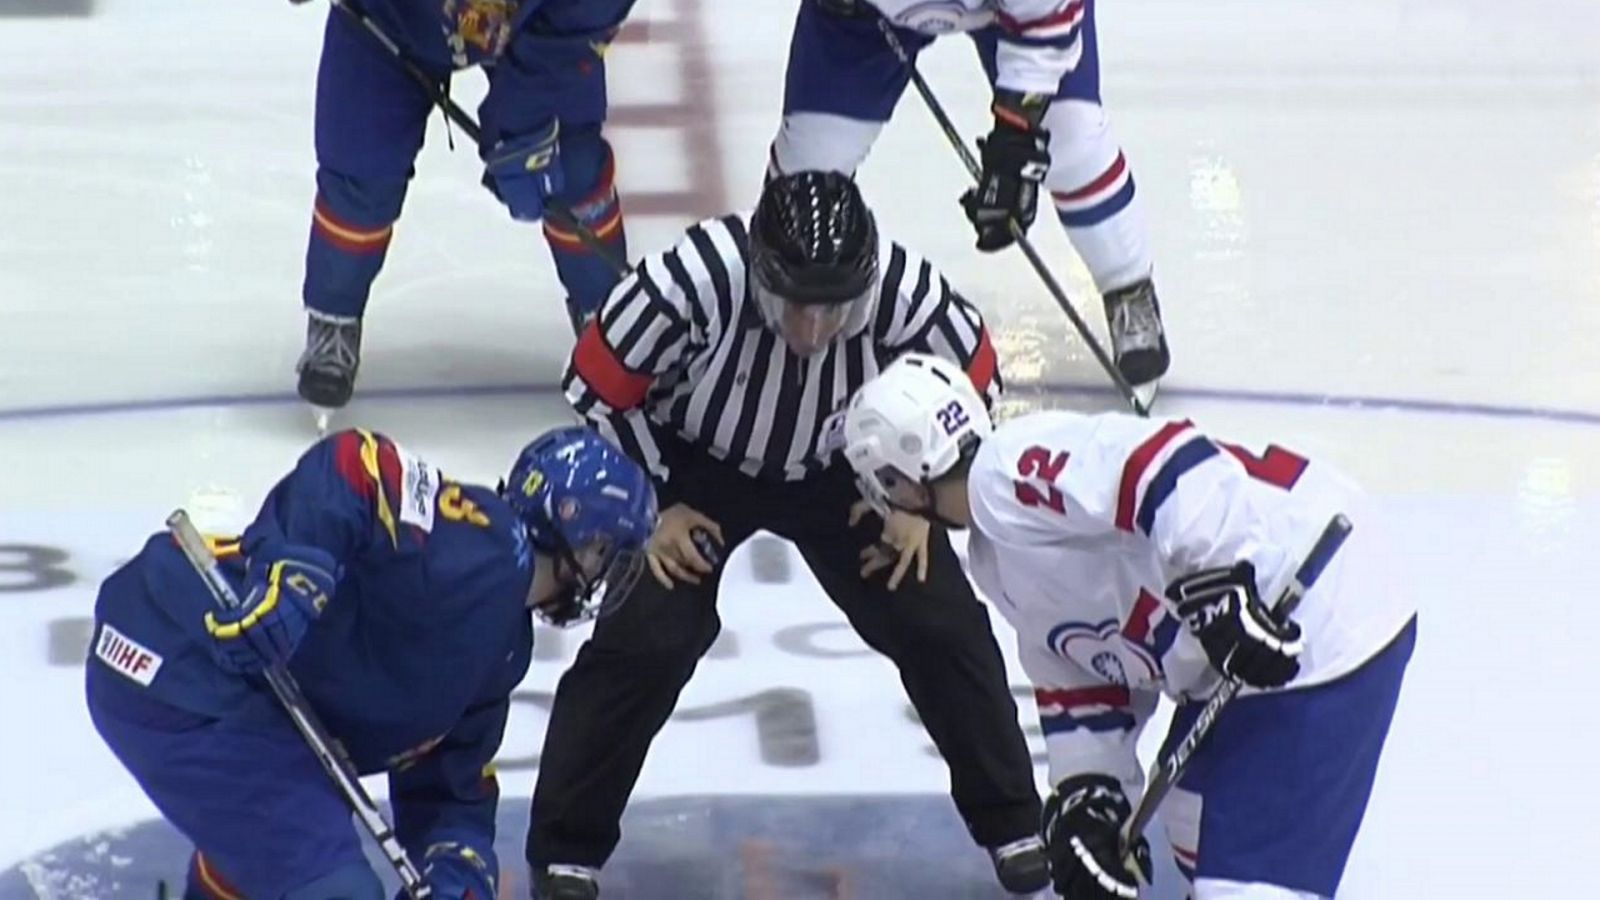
(916,420)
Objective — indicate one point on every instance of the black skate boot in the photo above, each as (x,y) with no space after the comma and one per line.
(565,883)
(1022,866)
(328,366)
(1138,340)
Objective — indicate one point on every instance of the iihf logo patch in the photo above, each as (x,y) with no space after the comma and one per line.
(1096,648)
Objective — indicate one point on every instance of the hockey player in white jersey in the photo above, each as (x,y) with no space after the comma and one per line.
(1132,556)
(1043,59)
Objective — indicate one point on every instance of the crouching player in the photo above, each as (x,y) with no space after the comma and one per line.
(1135,556)
(399,599)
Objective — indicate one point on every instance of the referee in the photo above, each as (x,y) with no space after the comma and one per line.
(723,365)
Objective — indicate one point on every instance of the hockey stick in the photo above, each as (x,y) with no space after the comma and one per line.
(1170,769)
(976,171)
(305,719)
(556,213)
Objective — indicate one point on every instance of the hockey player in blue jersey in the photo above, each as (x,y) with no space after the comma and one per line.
(399,599)
(541,144)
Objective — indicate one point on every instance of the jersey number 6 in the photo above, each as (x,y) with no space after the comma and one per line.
(1037,462)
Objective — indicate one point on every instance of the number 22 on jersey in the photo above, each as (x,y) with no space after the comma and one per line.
(1038,462)
(1039,467)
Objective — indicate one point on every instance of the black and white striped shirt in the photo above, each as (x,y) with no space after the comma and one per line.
(680,348)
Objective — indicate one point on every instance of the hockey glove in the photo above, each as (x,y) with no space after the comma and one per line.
(525,172)
(286,594)
(1016,157)
(458,871)
(1082,825)
(1240,635)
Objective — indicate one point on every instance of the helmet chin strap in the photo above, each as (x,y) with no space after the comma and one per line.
(564,605)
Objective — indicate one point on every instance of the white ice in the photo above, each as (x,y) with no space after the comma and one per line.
(1384,199)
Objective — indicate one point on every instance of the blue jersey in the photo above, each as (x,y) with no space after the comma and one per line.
(544,57)
(411,663)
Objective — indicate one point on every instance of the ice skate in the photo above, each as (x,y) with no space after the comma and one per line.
(1138,339)
(328,366)
(1021,866)
(566,883)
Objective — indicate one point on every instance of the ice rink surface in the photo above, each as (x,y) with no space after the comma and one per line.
(1377,226)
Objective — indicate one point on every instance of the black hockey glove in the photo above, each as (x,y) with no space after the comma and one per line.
(1223,609)
(1016,157)
(1082,823)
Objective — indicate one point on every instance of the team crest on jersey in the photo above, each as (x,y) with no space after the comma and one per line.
(477,29)
(1102,648)
(944,16)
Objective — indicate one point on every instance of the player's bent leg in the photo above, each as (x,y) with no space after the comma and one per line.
(938,634)
(1282,784)
(608,708)
(351,224)
(1095,196)
(204,882)
(1097,201)
(841,85)
(1090,180)
(252,799)
(827,142)
(591,196)
(370,120)
(351,882)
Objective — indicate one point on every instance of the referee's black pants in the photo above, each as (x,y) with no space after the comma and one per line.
(626,679)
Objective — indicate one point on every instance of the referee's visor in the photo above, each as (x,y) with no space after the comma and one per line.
(809,326)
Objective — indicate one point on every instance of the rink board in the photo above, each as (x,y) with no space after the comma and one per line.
(717,848)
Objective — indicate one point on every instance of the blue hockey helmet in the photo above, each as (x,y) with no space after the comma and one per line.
(590,508)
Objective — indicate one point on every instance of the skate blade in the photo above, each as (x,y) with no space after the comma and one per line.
(322,417)
(1146,394)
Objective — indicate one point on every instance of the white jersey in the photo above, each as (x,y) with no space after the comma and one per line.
(1041,39)
(1080,522)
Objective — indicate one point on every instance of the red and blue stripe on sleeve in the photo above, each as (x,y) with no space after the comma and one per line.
(1152,471)
(1094,709)
(369,466)
(1056,29)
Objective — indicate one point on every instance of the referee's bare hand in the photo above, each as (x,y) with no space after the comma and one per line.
(904,541)
(672,555)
